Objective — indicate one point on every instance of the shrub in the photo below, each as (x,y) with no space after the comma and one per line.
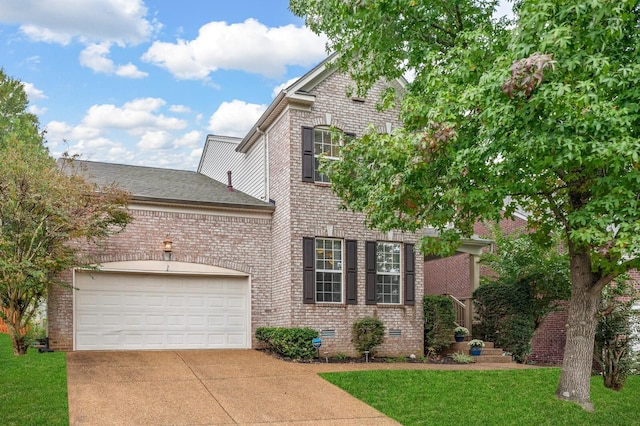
(439,323)
(527,283)
(462,358)
(613,335)
(295,342)
(506,317)
(366,334)
(516,334)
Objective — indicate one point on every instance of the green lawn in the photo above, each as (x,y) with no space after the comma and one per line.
(515,397)
(33,388)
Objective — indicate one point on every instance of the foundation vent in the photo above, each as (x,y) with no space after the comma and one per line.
(395,333)
(327,333)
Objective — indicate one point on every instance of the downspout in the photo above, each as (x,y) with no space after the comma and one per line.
(265,183)
(265,180)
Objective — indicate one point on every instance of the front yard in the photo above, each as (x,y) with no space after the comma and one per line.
(506,397)
(33,388)
(33,391)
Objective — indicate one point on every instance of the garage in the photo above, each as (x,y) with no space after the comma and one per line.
(125,310)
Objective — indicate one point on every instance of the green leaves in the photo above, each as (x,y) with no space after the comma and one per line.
(45,211)
(563,145)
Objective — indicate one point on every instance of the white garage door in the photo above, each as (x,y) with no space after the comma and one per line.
(153,311)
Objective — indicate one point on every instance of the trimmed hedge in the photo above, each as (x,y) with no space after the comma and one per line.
(506,317)
(291,342)
(439,323)
(366,334)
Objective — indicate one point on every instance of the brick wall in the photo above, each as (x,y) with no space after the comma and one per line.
(449,275)
(209,238)
(306,209)
(280,192)
(548,342)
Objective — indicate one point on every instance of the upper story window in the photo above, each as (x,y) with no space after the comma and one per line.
(324,143)
(317,142)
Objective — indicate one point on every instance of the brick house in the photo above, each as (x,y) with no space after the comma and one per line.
(274,251)
(374,273)
(203,291)
(453,276)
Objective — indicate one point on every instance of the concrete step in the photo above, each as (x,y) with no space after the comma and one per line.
(493,359)
(462,346)
(490,354)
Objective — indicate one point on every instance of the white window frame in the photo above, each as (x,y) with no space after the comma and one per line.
(336,268)
(386,270)
(635,328)
(318,150)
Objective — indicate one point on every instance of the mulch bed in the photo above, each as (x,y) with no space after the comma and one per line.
(350,360)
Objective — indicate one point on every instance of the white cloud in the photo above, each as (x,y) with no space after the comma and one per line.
(154,139)
(45,35)
(281,87)
(59,21)
(135,116)
(177,59)
(36,110)
(180,109)
(248,46)
(97,149)
(136,132)
(190,139)
(130,71)
(32,92)
(59,130)
(95,57)
(235,118)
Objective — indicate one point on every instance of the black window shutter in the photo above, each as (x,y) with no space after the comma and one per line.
(308,267)
(352,272)
(308,160)
(370,267)
(409,275)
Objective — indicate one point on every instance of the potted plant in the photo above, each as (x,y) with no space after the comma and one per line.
(475,347)
(460,332)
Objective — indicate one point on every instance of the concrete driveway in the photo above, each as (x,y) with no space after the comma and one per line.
(209,387)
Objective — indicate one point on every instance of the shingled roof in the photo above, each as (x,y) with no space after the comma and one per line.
(169,186)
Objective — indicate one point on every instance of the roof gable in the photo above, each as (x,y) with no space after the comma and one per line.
(297,93)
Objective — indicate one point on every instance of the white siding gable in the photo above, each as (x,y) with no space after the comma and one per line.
(248,171)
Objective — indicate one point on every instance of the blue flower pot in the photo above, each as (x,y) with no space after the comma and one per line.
(459,337)
(475,350)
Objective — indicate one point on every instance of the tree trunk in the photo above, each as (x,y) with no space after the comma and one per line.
(18,340)
(17,333)
(575,378)
(19,345)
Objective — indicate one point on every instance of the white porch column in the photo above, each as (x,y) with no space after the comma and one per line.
(474,248)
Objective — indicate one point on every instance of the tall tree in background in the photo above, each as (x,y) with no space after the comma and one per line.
(540,115)
(44,210)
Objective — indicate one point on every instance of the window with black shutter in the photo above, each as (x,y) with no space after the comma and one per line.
(317,142)
(330,273)
(384,275)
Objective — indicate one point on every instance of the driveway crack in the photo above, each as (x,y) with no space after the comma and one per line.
(207,389)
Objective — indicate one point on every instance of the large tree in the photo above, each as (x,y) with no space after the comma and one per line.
(540,114)
(45,210)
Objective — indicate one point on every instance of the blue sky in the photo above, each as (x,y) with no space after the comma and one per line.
(143,82)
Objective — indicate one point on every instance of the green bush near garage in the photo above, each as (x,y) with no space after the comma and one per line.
(290,342)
